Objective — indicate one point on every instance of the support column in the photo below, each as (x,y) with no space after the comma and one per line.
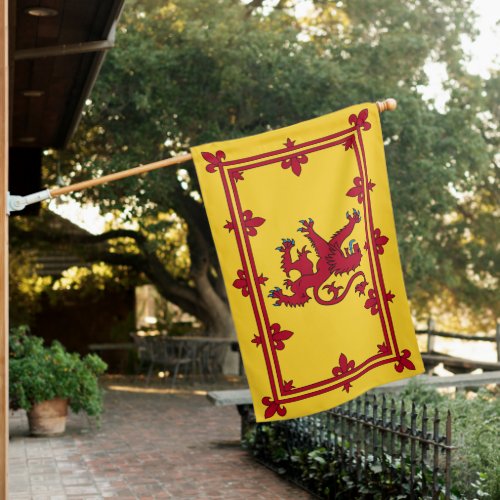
(4,248)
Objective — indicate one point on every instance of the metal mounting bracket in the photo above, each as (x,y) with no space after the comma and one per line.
(16,203)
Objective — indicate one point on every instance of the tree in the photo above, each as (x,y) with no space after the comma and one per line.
(188,72)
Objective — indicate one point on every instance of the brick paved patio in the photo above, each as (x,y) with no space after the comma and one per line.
(156,444)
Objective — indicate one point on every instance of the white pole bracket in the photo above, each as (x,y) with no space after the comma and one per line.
(16,203)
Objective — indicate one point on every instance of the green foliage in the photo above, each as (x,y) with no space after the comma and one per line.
(421,394)
(475,434)
(475,465)
(38,373)
(25,286)
(29,291)
(334,472)
(188,72)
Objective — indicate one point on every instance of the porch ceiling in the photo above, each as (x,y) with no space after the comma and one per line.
(55,56)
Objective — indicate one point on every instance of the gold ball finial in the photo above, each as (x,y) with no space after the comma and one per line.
(387,105)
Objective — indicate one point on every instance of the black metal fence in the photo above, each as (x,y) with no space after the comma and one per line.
(368,448)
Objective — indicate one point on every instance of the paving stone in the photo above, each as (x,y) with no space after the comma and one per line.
(149,445)
(18,489)
(71,480)
(82,490)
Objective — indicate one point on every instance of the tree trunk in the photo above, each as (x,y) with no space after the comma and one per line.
(221,322)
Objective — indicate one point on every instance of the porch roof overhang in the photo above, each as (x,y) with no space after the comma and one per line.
(57,48)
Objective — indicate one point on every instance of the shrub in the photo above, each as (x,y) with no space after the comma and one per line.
(476,434)
(38,373)
(475,465)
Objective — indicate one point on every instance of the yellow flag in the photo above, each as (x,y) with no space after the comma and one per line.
(303,225)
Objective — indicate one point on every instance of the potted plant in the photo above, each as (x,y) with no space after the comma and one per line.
(45,380)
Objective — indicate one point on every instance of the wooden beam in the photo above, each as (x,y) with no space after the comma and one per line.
(63,50)
(4,248)
(449,362)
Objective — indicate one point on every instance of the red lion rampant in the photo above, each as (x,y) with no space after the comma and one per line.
(332,259)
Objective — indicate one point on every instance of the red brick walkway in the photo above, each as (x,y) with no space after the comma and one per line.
(150,445)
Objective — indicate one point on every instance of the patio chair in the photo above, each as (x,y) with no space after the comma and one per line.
(213,356)
(174,356)
(143,351)
(157,351)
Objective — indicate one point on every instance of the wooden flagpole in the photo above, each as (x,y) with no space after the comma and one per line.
(121,175)
(387,105)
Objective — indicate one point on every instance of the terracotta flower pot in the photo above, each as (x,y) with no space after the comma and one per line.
(48,417)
